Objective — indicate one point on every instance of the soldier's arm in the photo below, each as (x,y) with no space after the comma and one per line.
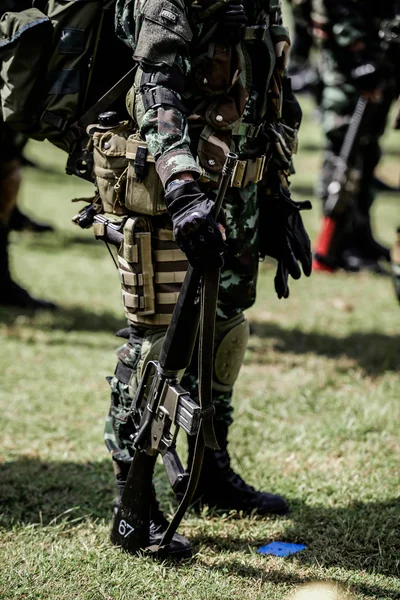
(160,38)
(160,113)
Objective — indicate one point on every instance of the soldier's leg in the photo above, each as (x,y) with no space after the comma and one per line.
(363,239)
(338,102)
(11,294)
(351,245)
(144,341)
(219,485)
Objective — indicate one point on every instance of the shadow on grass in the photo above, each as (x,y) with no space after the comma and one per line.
(279,576)
(362,536)
(374,352)
(72,318)
(58,241)
(308,146)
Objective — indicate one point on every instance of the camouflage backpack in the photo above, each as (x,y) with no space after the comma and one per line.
(47,58)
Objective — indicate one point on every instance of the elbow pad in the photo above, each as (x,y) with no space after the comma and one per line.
(162,88)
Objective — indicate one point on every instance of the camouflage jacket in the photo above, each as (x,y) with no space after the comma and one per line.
(224,92)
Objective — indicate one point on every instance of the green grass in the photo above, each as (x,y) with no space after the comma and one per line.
(316,408)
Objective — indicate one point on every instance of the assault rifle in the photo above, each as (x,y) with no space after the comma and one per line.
(346,169)
(161,406)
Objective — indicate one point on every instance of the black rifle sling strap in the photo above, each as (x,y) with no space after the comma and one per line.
(91,115)
(205,434)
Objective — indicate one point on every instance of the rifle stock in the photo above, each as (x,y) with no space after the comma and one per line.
(131,524)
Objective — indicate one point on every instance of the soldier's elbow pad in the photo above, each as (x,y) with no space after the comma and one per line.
(231,339)
(163,33)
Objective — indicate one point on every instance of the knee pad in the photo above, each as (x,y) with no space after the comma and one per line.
(231,339)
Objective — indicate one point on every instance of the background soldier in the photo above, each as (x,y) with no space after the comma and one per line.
(302,70)
(12,294)
(210,80)
(350,55)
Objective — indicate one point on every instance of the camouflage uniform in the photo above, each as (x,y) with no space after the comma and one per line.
(339,27)
(237,292)
(220,116)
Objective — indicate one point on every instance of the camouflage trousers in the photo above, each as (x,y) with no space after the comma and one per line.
(237,292)
(339,100)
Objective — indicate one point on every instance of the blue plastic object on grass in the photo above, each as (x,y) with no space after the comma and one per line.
(281,549)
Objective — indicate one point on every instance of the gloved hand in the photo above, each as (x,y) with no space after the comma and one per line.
(284,237)
(194,226)
(232,21)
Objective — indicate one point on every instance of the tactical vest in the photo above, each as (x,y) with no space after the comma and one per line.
(47,61)
(229,90)
(234,89)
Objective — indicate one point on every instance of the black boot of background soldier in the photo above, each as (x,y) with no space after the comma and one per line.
(19,221)
(12,294)
(221,488)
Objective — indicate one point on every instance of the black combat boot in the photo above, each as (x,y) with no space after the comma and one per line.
(12,294)
(179,547)
(19,221)
(221,488)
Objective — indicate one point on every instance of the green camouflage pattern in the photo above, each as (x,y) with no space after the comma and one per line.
(237,292)
(166,132)
(166,128)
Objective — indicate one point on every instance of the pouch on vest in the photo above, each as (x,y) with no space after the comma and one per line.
(25,45)
(110,165)
(135,267)
(170,266)
(216,71)
(144,191)
(212,149)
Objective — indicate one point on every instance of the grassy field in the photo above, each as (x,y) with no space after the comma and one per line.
(316,408)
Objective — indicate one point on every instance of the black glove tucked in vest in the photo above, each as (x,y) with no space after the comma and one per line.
(284,237)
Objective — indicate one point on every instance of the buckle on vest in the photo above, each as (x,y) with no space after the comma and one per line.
(248,171)
(257,33)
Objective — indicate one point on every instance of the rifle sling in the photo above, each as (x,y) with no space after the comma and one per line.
(91,115)
(205,434)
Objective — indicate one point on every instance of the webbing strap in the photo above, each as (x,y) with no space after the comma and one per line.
(206,434)
(247,130)
(160,96)
(169,255)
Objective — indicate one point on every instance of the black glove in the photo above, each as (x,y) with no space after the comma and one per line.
(195,228)
(284,237)
(232,21)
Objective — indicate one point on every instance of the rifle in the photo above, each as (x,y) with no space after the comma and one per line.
(161,405)
(346,171)
(342,188)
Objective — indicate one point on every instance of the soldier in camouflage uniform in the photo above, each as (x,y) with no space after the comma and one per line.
(12,294)
(211,79)
(347,33)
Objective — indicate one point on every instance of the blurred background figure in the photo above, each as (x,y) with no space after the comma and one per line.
(352,64)
(12,294)
(302,67)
